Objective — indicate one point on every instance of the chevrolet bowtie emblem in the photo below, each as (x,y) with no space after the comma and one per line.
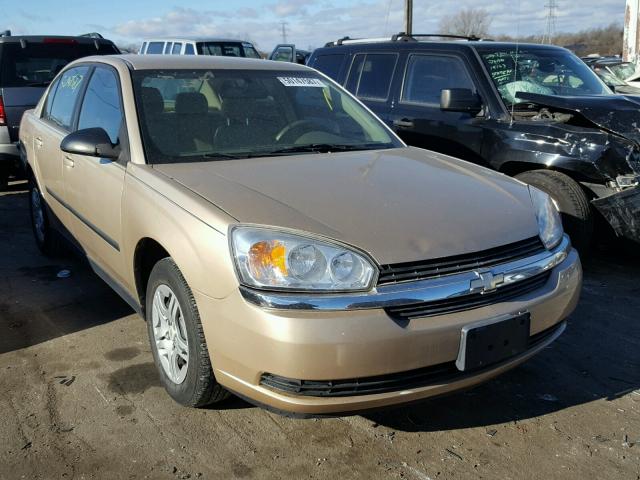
(486,282)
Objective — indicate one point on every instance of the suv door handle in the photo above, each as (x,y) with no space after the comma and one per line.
(38,142)
(404,123)
(68,162)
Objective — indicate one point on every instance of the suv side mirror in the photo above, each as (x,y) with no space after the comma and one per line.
(92,142)
(460,100)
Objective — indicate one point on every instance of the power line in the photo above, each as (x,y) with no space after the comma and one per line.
(552,9)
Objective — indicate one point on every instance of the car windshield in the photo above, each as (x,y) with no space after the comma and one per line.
(624,71)
(205,115)
(547,71)
(38,63)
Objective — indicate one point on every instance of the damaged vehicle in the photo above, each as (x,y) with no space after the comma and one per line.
(536,112)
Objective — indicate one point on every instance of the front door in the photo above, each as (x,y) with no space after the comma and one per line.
(94,186)
(417,117)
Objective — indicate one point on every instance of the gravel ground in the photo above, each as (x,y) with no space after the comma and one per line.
(79,395)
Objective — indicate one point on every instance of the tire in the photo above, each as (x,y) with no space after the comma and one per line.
(572,201)
(191,384)
(46,237)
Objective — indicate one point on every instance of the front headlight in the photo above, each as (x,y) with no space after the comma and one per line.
(549,222)
(274,259)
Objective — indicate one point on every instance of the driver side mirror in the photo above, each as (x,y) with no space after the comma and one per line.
(460,100)
(92,142)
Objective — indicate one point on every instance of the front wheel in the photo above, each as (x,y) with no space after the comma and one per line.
(572,202)
(177,339)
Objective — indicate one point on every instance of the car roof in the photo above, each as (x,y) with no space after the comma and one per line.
(194,39)
(178,62)
(42,38)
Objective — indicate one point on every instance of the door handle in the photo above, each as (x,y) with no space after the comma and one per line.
(38,141)
(404,123)
(68,162)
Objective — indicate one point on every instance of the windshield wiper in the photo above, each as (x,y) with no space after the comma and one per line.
(326,148)
(38,84)
(224,155)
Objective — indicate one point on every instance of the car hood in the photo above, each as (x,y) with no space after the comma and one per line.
(617,114)
(399,205)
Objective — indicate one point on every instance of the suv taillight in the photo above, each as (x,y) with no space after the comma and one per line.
(3,116)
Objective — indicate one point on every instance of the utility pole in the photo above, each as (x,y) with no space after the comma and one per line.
(552,7)
(408,17)
(631,40)
(284,31)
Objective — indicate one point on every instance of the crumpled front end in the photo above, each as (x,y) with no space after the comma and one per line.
(622,211)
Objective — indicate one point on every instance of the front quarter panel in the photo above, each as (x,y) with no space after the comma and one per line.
(192,230)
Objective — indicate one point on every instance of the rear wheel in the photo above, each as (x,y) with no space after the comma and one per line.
(45,236)
(177,339)
(572,202)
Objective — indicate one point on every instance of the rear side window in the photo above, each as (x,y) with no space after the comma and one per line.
(177,47)
(329,64)
(144,46)
(46,110)
(370,75)
(38,63)
(101,106)
(428,75)
(66,96)
(167,48)
(155,47)
(188,49)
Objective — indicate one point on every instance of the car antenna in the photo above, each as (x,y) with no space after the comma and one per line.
(515,61)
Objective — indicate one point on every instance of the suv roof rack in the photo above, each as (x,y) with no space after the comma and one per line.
(403,37)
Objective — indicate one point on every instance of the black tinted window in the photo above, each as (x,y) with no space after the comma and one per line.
(39,63)
(101,106)
(371,74)
(155,47)
(427,76)
(66,96)
(329,65)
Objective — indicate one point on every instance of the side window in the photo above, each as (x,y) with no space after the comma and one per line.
(155,47)
(101,106)
(189,50)
(167,48)
(428,75)
(64,101)
(46,110)
(143,47)
(371,74)
(176,49)
(329,64)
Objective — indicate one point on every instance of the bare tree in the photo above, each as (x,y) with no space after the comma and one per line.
(467,22)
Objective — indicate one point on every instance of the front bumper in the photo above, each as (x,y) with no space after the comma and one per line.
(622,211)
(246,341)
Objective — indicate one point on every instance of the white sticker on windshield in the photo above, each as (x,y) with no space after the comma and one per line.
(301,82)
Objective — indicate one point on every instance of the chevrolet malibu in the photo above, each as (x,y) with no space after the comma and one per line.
(282,243)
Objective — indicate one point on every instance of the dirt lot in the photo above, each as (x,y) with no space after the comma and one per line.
(79,396)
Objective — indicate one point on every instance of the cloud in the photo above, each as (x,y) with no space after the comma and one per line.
(313,23)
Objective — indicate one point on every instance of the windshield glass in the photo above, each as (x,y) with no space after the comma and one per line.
(204,115)
(623,70)
(38,63)
(547,71)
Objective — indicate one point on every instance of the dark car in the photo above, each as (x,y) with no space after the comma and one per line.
(536,112)
(287,52)
(27,66)
(615,73)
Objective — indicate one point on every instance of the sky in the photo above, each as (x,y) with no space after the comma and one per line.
(309,23)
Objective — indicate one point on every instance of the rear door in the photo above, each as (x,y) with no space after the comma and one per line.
(370,77)
(94,186)
(417,117)
(54,124)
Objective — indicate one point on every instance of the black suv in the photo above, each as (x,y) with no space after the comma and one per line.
(27,66)
(536,112)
